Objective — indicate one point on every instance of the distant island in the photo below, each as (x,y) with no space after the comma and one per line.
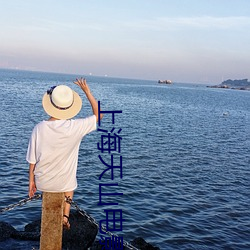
(243,84)
(165,81)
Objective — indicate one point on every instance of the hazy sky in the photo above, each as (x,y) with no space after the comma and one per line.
(203,41)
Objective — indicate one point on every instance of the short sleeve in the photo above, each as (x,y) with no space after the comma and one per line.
(31,152)
(86,125)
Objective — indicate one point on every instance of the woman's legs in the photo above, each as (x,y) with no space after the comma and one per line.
(67,209)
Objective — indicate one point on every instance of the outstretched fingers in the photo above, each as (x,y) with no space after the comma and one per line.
(80,82)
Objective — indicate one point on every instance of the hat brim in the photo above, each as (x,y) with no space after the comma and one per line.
(69,113)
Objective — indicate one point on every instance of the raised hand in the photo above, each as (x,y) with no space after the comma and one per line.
(82,83)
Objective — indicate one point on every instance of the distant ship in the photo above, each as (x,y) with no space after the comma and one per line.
(165,81)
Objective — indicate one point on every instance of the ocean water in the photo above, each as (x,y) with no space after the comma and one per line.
(186,158)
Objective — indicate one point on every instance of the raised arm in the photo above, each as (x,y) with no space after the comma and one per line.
(83,85)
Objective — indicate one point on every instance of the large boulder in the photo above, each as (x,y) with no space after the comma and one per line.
(31,232)
(138,242)
(6,231)
(82,233)
(141,244)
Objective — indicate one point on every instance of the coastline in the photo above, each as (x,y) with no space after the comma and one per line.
(227,87)
(82,235)
(242,84)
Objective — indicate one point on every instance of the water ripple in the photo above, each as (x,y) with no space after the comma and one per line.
(185,166)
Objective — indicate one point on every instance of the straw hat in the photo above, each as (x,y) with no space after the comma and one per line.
(62,102)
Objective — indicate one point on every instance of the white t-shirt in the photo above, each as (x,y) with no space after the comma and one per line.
(54,147)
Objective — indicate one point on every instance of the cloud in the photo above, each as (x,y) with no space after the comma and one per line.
(202,22)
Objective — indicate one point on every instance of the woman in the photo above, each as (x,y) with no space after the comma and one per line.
(54,144)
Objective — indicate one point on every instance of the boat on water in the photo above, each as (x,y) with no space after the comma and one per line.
(165,81)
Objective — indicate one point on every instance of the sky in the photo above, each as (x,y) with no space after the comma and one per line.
(193,41)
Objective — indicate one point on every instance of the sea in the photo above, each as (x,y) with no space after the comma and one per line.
(183,151)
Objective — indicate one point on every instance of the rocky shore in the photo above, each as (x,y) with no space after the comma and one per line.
(243,84)
(82,235)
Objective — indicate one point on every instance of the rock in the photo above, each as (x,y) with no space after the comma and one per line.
(12,244)
(141,244)
(82,233)
(81,236)
(242,84)
(99,246)
(6,231)
(30,236)
(33,226)
(31,232)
